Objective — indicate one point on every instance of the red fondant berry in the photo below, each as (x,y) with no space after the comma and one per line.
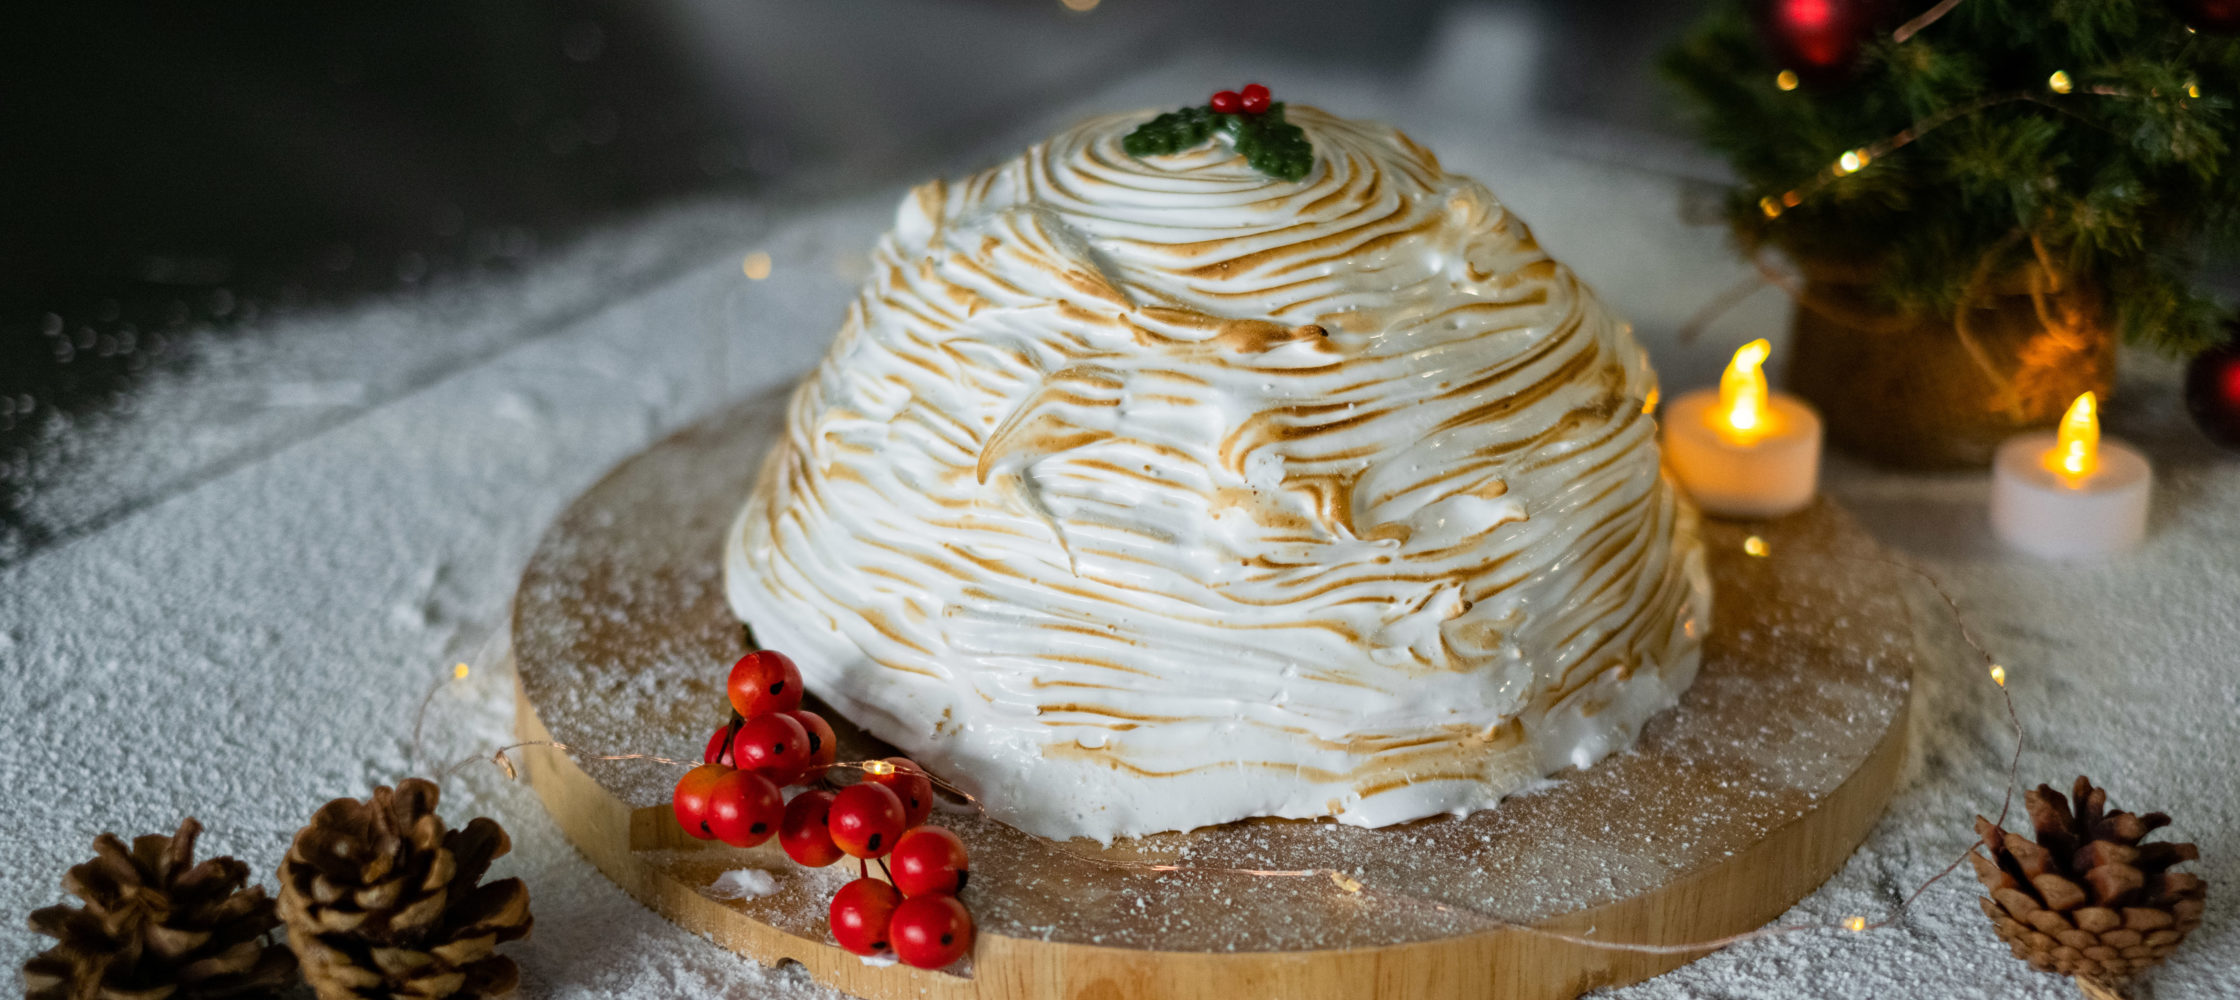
(911,785)
(774,745)
(719,746)
(866,820)
(860,913)
(804,832)
(1226,102)
(691,798)
(929,860)
(763,682)
(823,747)
(744,809)
(1254,99)
(930,931)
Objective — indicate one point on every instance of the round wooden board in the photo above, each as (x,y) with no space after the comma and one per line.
(1729,809)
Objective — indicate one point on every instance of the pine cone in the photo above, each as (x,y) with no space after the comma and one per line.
(155,924)
(2087,899)
(381,901)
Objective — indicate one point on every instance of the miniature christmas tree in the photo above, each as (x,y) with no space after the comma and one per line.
(2095,139)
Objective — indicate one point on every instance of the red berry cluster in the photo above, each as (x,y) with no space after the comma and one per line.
(1252,100)
(770,743)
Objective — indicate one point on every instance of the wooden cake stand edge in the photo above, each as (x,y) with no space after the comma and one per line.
(1745,892)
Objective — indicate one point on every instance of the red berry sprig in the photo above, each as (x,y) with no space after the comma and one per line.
(867,819)
(930,931)
(909,784)
(763,682)
(930,861)
(771,742)
(860,915)
(1252,118)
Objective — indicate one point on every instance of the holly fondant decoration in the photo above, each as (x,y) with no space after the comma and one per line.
(1252,120)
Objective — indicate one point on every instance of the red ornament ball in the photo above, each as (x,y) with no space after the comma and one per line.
(2219,16)
(823,747)
(719,746)
(1819,39)
(930,860)
(744,809)
(1226,102)
(763,682)
(690,800)
(866,820)
(910,784)
(2213,392)
(861,912)
(930,931)
(1254,99)
(774,745)
(805,832)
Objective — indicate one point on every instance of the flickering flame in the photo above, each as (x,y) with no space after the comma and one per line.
(1742,394)
(2076,448)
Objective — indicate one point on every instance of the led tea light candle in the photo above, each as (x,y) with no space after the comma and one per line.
(2070,494)
(1744,450)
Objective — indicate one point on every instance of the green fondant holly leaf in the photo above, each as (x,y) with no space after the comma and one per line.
(1270,144)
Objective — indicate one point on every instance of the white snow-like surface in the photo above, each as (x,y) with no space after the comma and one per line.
(743,883)
(254,639)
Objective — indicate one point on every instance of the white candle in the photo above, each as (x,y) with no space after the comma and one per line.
(2070,494)
(1743,450)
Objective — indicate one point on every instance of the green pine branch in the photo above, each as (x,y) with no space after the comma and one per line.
(2125,181)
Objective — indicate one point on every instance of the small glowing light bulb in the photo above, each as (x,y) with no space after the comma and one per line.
(878,767)
(1345,882)
(1769,206)
(1855,924)
(2193,90)
(1998,675)
(1786,79)
(1851,162)
(2059,82)
(1649,402)
(1742,393)
(459,673)
(756,266)
(1755,545)
(2076,449)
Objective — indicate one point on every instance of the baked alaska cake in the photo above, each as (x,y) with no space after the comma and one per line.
(1144,493)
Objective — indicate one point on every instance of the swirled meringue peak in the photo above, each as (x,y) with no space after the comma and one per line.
(1146,494)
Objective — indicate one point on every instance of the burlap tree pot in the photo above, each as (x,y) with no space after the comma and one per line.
(1927,392)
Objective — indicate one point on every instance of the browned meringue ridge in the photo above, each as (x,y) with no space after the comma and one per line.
(1145,494)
